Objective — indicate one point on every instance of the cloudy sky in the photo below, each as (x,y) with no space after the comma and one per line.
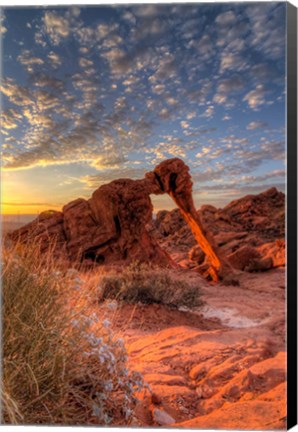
(91,94)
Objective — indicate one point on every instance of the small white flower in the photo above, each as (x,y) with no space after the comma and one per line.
(78,281)
(94,341)
(108,385)
(113,305)
(75,323)
(96,411)
(128,413)
(106,323)
(94,317)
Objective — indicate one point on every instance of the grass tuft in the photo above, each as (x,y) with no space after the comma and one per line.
(61,364)
(145,283)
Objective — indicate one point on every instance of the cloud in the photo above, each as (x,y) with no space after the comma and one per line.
(113,40)
(29,61)
(164,150)
(232,62)
(119,61)
(220,98)
(85,63)
(146,11)
(54,58)
(56,26)
(102,30)
(166,68)
(226,18)
(184,124)
(112,161)
(144,72)
(236,45)
(3,29)
(158,88)
(171,101)
(230,85)
(209,112)
(267,23)
(43,80)
(276,150)
(264,177)
(10,119)
(199,93)
(255,98)
(94,181)
(16,94)
(205,47)
(256,125)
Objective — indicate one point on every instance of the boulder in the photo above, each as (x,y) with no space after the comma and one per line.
(249,259)
(196,255)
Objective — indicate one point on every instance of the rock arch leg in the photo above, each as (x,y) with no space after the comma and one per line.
(174,176)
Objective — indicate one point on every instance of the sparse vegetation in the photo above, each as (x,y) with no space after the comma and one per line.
(61,364)
(148,284)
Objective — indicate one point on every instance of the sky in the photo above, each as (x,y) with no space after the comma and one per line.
(92,94)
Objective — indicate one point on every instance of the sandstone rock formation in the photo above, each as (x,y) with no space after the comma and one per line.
(111,225)
(249,231)
(115,225)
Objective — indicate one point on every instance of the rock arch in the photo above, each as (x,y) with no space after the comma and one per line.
(111,225)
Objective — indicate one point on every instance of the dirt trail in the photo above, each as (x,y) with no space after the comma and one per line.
(220,366)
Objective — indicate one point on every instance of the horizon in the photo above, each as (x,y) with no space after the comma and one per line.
(28,217)
(95,93)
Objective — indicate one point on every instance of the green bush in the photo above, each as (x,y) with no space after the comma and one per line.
(145,283)
(61,364)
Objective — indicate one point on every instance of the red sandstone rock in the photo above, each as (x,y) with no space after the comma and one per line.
(196,255)
(275,251)
(111,225)
(249,259)
(115,225)
(46,230)
(254,221)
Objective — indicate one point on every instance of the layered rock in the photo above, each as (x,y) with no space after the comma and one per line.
(249,231)
(111,225)
(114,226)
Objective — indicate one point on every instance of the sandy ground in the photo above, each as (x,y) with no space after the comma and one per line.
(221,365)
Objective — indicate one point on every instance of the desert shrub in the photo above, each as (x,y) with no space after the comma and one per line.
(61,364)
(140,282)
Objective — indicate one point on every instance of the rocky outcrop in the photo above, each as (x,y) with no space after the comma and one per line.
(221,365)
(115,225)
(249,259)
(107,228)
(249,232)
(111,225)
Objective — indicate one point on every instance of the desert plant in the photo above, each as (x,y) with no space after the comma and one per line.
(149,284)
(61,364)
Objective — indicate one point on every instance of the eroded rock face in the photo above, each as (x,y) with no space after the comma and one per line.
(46,230)
(112,225)
(107,228)
(249,232)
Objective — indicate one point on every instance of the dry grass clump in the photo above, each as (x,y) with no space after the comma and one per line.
(140,282)
(61,364)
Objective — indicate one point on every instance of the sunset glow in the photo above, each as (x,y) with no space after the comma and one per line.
(91,94)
